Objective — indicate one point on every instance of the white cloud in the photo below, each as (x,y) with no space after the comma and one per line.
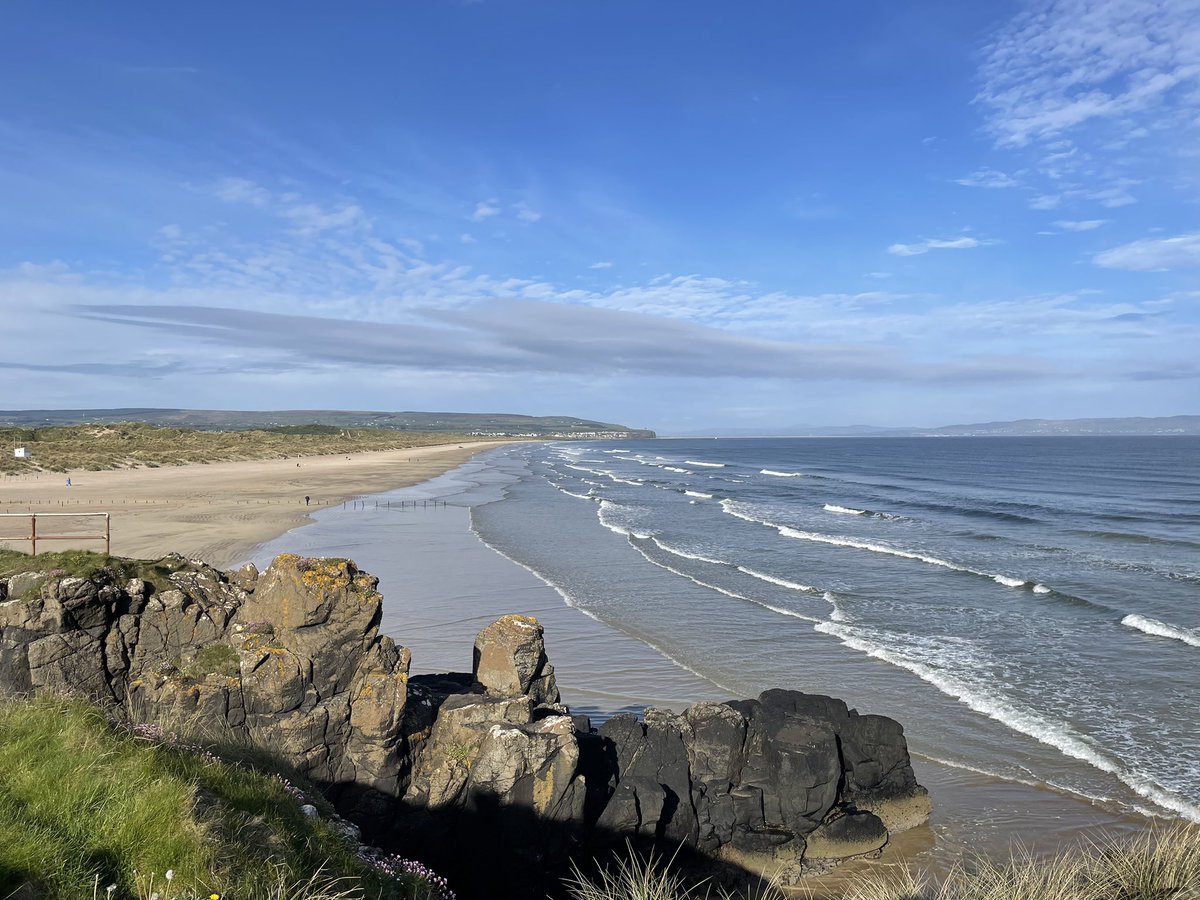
(311,218)
(988,178)
(600,265)
(962,243)
(1085,225)
(525,214)
(1046,201)
(1153,254)
(466,238)
(485,209)
(1064,63)
(242,190)
(1112,197)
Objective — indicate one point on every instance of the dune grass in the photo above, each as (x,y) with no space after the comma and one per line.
(132,444)
(85,805)
(1161,864)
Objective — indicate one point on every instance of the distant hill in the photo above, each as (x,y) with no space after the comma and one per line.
(1135,425)
(481,424)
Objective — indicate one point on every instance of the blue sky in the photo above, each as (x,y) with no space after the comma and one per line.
(679,215)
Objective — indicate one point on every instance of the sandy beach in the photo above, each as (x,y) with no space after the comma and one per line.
(219,511)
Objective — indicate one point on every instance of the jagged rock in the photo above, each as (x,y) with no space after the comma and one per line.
(510,658)
(293,660)
(246,577)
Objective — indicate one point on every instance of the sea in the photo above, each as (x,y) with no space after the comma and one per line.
(1028,608)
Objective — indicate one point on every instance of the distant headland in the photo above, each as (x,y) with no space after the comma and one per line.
(1128,425)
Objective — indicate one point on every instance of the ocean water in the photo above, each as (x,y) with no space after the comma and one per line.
(1027,608)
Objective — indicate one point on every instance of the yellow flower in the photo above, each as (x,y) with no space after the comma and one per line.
(214,897)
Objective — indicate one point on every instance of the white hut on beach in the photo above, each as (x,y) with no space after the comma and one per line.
(22,453)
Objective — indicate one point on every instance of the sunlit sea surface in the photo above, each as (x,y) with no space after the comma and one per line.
(1028,608)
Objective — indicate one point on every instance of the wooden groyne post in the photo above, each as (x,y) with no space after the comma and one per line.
(34,537)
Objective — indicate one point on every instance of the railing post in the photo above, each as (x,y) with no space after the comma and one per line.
(33,533)
(107,534)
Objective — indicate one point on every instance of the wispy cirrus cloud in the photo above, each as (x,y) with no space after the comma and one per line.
(1153,254)
(988,178)
(921,247)
(1080,225)
(1063,64)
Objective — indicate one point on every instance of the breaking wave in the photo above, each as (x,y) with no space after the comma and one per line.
(780,474)
(1026,721)
(707,465)
(1162,629)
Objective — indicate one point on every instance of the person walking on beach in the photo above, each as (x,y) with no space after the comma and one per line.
(68,482)
(306,499)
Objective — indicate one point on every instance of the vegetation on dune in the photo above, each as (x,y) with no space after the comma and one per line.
(133,444)
(89,808)
(1163,864)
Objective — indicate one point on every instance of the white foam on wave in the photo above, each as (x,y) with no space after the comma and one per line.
(585,469)
(837,614)
(838,541)
(615,451)
(1058,735)
(1162,629)
(676,469)
(845,510)
(771,579)
(606,507)
(688,555)
(707,465)
(700,494)
(1040,589)
(1009,582)
(790,613)
(780,474)
(573,494)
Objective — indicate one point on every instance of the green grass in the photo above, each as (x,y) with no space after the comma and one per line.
(84,805)
(133,444)
(85,564)
(1161,864)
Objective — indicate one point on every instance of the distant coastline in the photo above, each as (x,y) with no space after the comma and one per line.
(1134,426)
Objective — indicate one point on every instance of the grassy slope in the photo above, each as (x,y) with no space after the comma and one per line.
(83,803)
(135,444)
(232,420)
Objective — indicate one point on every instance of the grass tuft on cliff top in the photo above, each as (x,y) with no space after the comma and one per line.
(86,563)
(85,804)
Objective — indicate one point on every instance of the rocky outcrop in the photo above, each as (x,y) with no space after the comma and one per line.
(292,660)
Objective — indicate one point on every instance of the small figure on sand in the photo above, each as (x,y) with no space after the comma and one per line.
(68,482)
(306,499)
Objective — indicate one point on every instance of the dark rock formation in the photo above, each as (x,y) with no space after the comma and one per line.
(292,660)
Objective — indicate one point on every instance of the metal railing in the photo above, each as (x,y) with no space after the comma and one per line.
(34,537)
